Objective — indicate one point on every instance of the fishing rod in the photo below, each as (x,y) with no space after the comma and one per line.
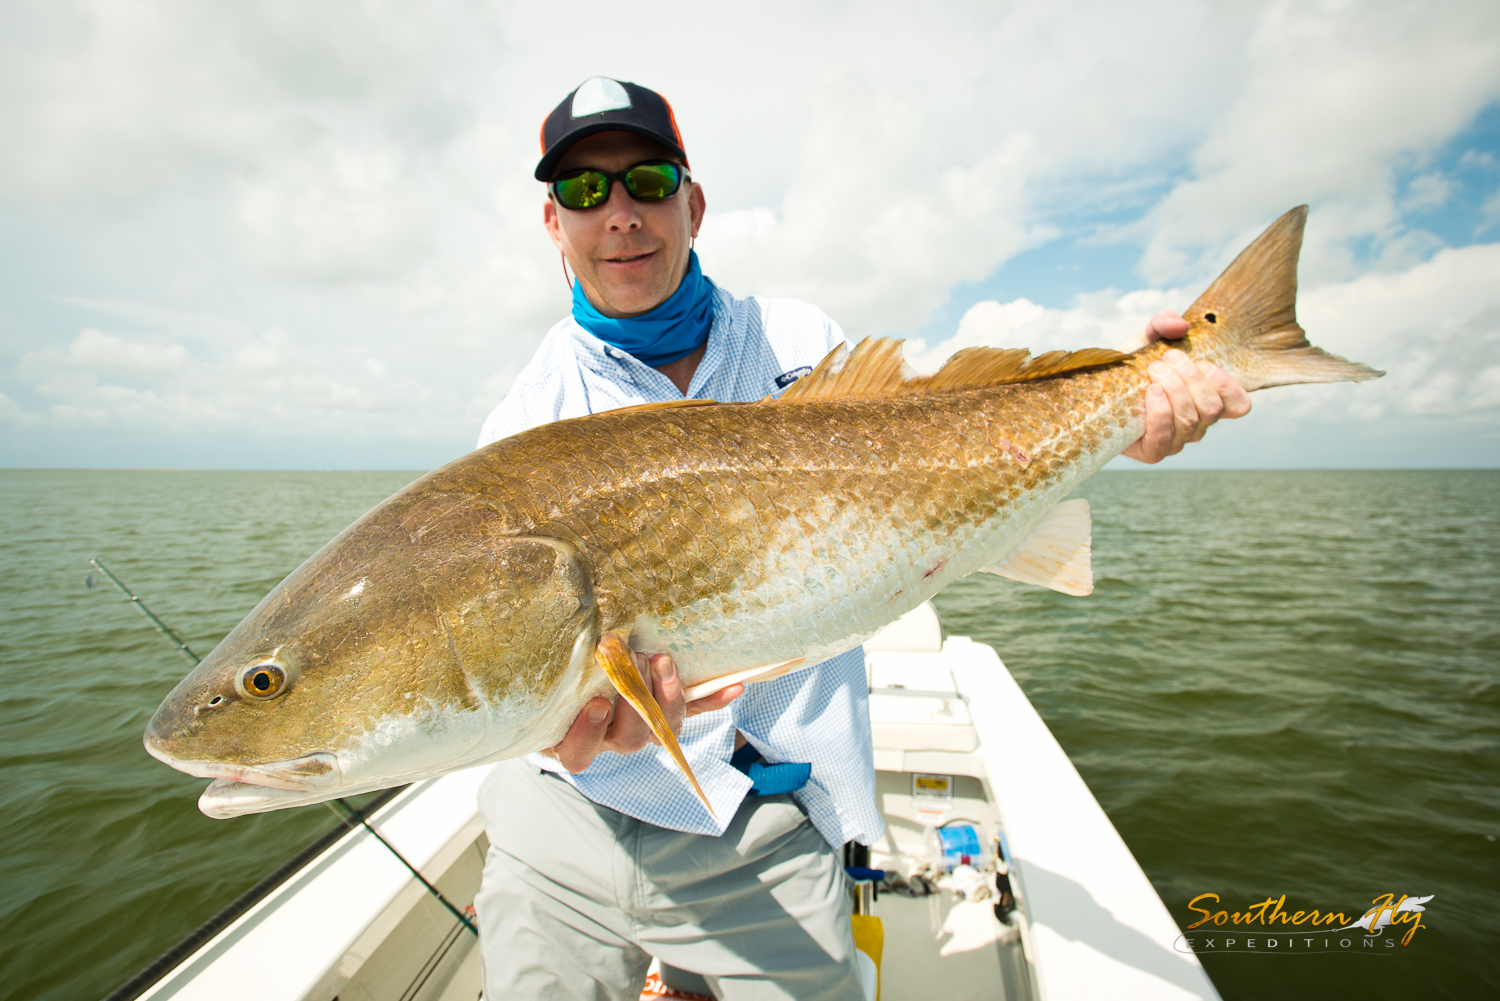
(140,606)
(350,815)
(354,815)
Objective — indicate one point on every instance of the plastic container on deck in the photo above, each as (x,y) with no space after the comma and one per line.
(958,843)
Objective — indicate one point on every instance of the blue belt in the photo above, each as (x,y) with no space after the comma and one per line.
(770,780)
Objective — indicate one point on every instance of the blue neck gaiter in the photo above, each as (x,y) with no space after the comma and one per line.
(671,331)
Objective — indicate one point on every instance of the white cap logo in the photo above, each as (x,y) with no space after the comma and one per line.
(598,95)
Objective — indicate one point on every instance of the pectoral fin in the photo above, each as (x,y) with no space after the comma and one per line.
(1056,554)
(618,661)
(749,676)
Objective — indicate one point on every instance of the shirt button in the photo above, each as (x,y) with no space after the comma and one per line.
(616,353)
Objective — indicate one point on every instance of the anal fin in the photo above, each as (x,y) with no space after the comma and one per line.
(1056,554)
(618,662)
(749,676)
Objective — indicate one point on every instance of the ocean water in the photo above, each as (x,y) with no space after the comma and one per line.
(1285,683)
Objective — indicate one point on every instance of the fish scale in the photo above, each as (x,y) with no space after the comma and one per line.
(471,616)
(831,515)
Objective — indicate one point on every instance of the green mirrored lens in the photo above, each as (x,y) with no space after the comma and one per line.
(652,180)
(582,190)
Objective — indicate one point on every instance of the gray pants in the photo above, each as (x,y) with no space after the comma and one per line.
(577,898)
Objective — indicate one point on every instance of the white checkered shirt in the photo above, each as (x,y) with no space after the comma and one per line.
(821,715)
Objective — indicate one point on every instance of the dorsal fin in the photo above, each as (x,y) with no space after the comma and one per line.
(876,368)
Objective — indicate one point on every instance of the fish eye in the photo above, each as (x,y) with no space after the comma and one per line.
(263,681)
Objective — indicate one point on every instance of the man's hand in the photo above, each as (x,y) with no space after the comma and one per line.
(1185,396)
(594,730)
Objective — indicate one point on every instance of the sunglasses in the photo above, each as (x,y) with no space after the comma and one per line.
(648,181)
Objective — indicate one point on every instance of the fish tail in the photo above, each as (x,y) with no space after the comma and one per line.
(1246,322)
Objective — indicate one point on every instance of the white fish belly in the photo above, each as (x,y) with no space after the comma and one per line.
(820,596)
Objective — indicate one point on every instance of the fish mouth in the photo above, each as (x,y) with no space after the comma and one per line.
(225,798)
(239,788)
(309,773)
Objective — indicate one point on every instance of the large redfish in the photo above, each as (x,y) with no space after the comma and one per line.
(469,617)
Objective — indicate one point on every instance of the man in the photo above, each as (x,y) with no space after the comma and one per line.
(601,855)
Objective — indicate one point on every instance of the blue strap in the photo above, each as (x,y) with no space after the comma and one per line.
(770,780)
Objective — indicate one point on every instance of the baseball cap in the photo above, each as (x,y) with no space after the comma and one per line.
(604,105)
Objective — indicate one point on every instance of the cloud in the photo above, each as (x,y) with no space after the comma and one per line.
(14,414)
(170,322)
(885,258)
(290,191)
(929,173)
(1427,191)
(1491,208)
(1102,319)
(114,101)
(268,384)
(349,216)
(386,151)
(1434,328)
(1335,97)
(94,350)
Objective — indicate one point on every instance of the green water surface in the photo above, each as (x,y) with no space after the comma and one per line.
(1285,683)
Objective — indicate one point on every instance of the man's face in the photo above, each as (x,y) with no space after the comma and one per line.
(629,255)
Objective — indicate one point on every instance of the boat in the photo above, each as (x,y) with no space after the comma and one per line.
(999,876)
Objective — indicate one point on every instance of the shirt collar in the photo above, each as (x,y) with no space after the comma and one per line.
(611,363)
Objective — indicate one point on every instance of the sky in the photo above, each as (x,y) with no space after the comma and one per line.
(289,235)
